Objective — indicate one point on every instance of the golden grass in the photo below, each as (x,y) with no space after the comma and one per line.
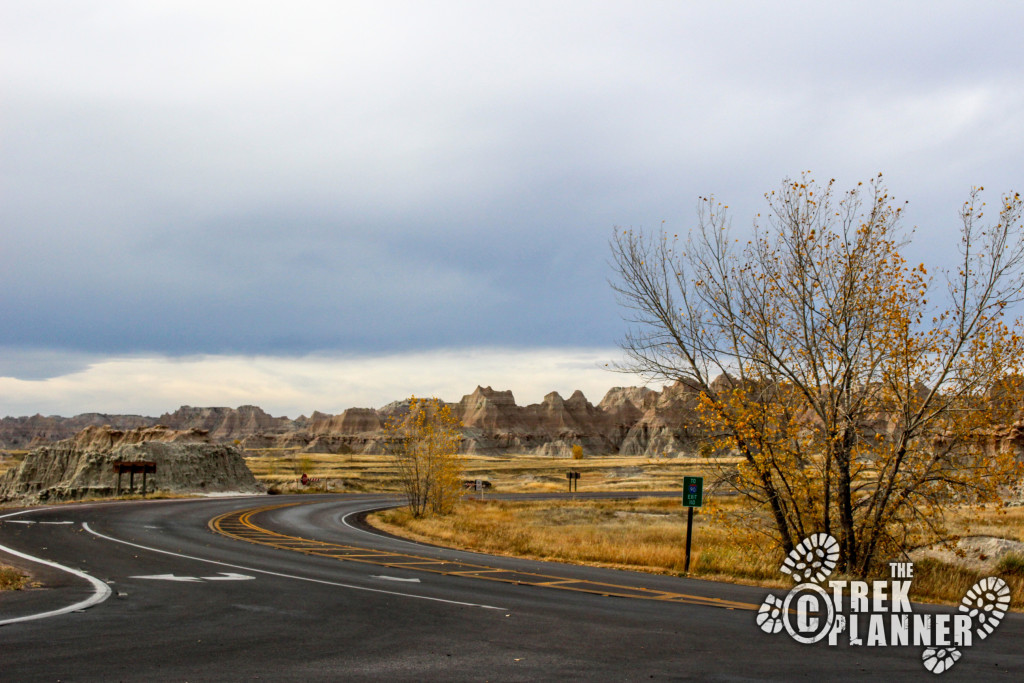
(11,579)
(647,535)
(650,535)
(987,520)
(945,583)
(10,459)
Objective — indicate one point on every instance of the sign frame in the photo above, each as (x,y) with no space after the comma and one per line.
(691,498)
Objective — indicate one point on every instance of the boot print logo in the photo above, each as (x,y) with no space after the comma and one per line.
(876,613)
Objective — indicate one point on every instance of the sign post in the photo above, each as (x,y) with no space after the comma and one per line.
(131,467)
(573,477)
(693,496)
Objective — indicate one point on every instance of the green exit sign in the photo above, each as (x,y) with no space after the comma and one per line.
(693,492)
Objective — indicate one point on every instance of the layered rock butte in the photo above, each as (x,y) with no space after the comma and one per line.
(627,421)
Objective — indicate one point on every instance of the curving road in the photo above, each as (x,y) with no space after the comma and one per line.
(293,588)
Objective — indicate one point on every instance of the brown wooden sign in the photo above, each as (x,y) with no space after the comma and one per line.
(143,467)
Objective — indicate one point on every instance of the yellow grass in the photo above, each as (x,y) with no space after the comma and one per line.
(650,535)
(645,534)
(11,459)
(11,579)
(987,520)
(936,581)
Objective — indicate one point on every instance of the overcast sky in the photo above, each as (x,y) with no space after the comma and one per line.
(316,205)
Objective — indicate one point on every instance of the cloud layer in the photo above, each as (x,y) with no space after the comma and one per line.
(152,385)
(372,178)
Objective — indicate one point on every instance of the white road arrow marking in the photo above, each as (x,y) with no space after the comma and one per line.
(224,576)
(85,525)
(69,522)
(229,576)
(394,578)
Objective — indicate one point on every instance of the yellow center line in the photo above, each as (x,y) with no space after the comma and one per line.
(239,525)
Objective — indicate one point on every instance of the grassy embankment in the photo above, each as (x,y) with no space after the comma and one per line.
(650,535)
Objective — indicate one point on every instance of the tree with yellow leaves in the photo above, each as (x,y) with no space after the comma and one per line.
(856,397)
(424,443)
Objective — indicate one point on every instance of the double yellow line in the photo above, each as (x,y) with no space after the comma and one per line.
(240,525)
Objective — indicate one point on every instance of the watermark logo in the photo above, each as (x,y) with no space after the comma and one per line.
(877,613)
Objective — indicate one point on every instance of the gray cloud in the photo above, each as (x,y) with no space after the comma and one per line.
(42,364)
(250,178)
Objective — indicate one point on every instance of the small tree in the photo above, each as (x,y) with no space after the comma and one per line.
(858,407)
(577,451)
(425,446)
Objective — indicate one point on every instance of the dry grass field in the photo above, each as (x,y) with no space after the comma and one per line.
(639,534)
(281,468)
(650,534)
(10,459)
(11,579)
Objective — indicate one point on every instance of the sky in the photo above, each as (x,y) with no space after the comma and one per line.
(320,205)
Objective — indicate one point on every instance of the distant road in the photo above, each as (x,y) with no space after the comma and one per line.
(293,588)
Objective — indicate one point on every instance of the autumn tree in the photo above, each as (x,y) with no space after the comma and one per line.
(424,443)
(852,384)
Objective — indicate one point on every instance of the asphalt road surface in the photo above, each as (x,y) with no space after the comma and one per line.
(211,590)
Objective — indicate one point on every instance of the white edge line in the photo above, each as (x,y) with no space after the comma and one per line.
(344,520)
(86,526)
(24,512)
(101,594)
(102,589)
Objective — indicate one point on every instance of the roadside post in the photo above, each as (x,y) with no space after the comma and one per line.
(693,496)
(479,483)
(573,476)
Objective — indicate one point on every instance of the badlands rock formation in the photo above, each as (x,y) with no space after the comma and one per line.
(228,424)
(223,424)
(649,422)
(26,432)
(186,462)
(628,420)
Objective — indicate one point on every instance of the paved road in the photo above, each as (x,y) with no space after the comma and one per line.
(188,603)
